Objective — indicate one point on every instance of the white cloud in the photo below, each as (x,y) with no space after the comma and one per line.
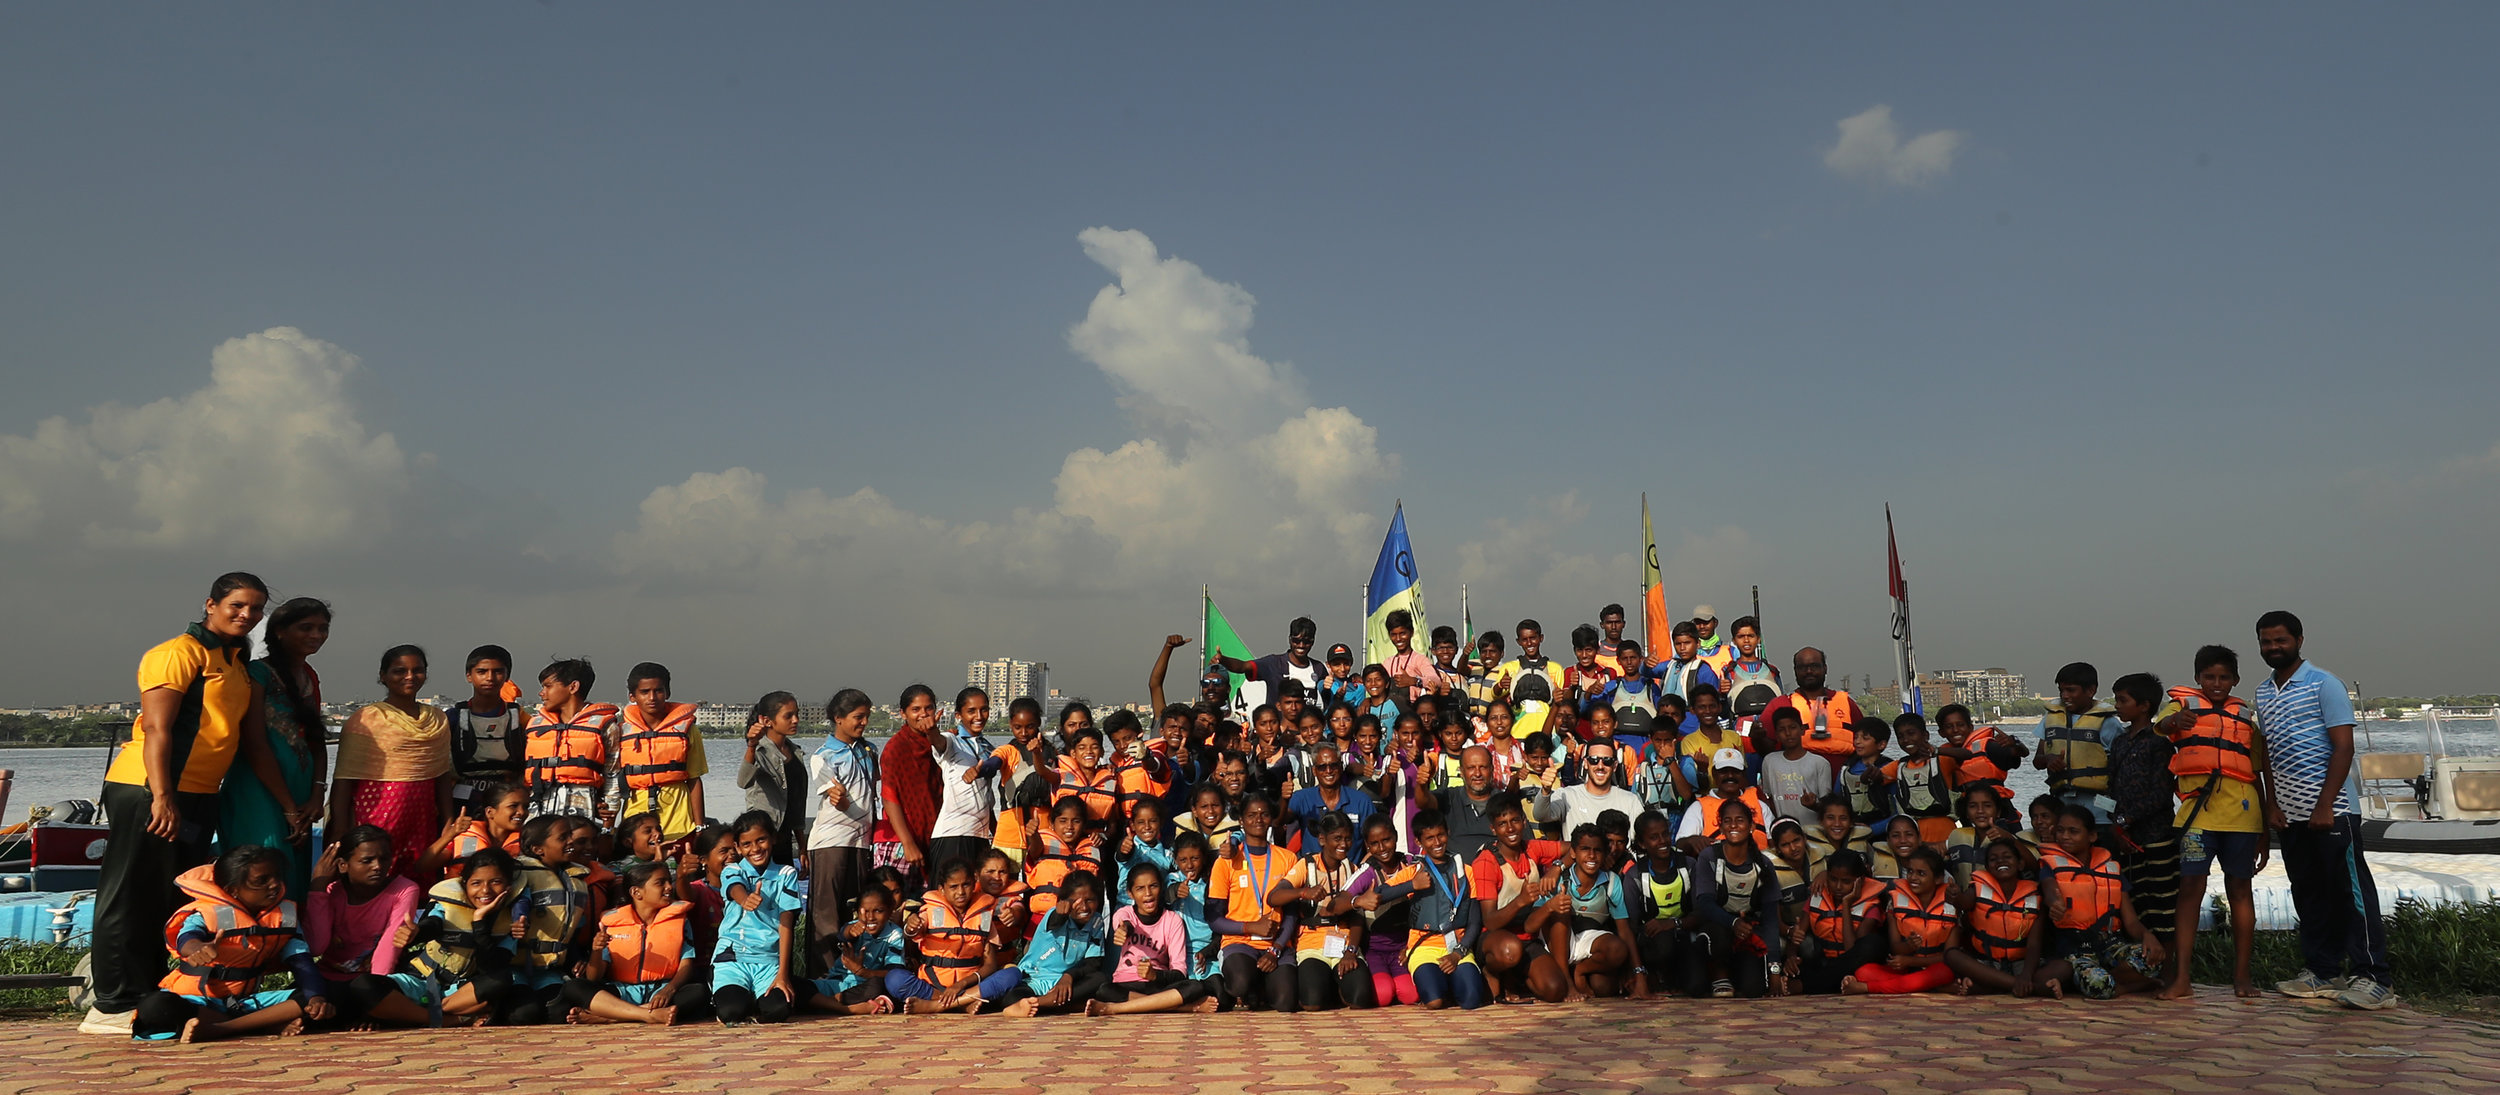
(1238,478)
(270,458)
(1870,148)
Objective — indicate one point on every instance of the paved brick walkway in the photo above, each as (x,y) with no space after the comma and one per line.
(1856,1045)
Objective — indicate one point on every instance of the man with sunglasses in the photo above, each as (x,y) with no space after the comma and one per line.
(1327,794)
(1601,789)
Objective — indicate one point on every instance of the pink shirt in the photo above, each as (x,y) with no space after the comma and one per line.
(1419,665)
(347,938)
(1166,941)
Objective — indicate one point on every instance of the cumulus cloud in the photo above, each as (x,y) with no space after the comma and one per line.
(269,458)
(1870,149)
(1238,476)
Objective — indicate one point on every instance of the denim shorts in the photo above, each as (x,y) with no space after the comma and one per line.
(2198,848)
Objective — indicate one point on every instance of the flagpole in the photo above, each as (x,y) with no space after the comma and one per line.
(1206,650)
(1757,615)
(1645,655)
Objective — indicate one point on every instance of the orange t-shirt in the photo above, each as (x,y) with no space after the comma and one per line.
(1242,890)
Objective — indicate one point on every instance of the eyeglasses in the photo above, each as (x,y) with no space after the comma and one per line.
(1330,766)
(1600,762)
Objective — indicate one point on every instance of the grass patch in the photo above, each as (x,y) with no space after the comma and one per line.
(19,956)
(2440,955)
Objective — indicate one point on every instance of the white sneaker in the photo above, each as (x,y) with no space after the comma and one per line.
(110,1023)
(2310,986)
(2366,994)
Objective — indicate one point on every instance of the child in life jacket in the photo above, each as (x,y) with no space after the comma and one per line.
(1736,888)
(1509,879)
(1844,926)
(1151,955)
(1004,883)
(1668,923)
(1860,782)
(2096,942)
(353,920)
(751,970)
(1923,923)
(487,746)
(1446,924)
(555,923)
(2006,932)
(1837,830)
(1981,755)
(1057,852)
(2226,792)
(642,959)
(496,811)
(870,949)
(237,928)
(1589,919)
(638,836)
(565,746)
(459,955)
(1141,844)
(960,964)
(1069,958)
(659,765)
(1966,850)
(1921,782)
(1901,837)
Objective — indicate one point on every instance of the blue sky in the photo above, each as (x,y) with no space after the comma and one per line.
(2145,320)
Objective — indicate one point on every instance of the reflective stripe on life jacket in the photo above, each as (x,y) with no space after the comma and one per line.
(573,752)
(559,904)
(1666,898)
(1828,919)
(953,945)
(448,956)
(650,755)
(2087,760)
(1919,788)
(645,953)
(1711,803)
(1979,770)
(1751,688)
(2223,740)
(247,943)
(2000,922)
(1099,789)
(1827,726)
(2091,889)
(1929,925)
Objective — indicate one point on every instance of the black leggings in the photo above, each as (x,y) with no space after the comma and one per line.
(1083,985)
(736,1004)
(1822,973)
(693,1000)
(1245,986)
(524,1006)
(162,1012)
(1749,973)
(1319,987)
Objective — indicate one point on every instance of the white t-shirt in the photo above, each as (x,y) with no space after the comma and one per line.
(1577,805)
(856,767)
(1785,783)
(966,809)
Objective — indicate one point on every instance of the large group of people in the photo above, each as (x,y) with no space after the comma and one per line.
(1445,828)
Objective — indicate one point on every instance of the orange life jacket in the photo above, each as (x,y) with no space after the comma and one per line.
(1828,716)
(953,944)
(645,954)
(247,943)
(1979,771)
(2001,922)
(1099,790)
(2092,889)
(1050,868)
(476,838)
(2223,740)
(1829,920)
(573,752)
(1140,780)
(1712,802)
(653,755)
(1930,924)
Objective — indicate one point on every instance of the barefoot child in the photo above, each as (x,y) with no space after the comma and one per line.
(1151,969)
(751,971)
(642,960)
(2226,792)
(1388,878)
(353,918)
(2002,948)
(869,950)
(556,917)
(237,928)
(1924,922)
(1057,852)
(1193,867)
(1068,961)
(960,965)
(1328,951)
(460,954)
(1740,945)
(2092,918)
(1844,926)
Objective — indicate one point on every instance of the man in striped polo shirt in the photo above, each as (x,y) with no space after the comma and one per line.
(2307,719)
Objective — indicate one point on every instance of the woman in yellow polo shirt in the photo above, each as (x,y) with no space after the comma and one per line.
(160,795)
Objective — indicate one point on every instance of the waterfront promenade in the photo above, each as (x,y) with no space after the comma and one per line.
(1834,1045)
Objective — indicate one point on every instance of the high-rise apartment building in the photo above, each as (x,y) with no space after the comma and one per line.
(1006,678)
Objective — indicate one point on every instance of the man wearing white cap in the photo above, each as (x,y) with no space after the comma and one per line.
(1728,783)
(1716,651)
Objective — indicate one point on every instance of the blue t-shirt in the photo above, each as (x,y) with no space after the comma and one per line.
(879,951)
(1155,855)
(2295,717)
(1305,808)
(756,936)
(1060,946)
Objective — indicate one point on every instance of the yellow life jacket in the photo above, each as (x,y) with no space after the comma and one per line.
(2087,760)
(452,951)
(559,904)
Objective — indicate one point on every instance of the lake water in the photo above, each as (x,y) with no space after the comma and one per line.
(45,776)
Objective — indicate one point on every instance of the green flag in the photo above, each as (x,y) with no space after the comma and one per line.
(1220,639)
